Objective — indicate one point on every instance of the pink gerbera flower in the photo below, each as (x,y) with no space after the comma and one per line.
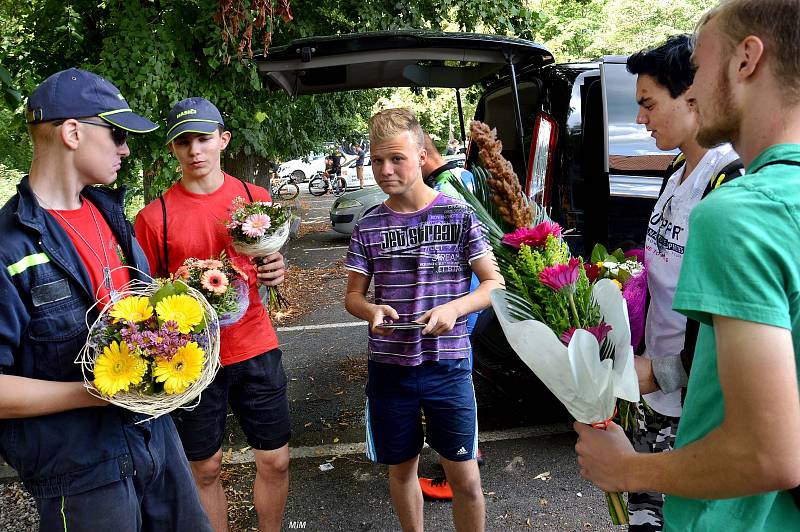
(182,272)
(214,281)
(211,264)
(532,236)
(600,332)
(256,225)
(561,276)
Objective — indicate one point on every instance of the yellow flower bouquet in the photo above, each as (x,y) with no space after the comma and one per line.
(154,349)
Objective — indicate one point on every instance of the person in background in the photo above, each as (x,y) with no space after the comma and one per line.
(252,379)
(361,154)
(736,462)
(452,146)
(664,75)
(90,466)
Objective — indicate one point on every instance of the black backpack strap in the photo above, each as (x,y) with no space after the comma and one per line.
(730,171)
(247,189)
(166,250)
(788,162)
(673,167)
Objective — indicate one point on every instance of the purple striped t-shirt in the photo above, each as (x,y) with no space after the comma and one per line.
(418,261)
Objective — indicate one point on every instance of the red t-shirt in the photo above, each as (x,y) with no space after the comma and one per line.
(90,239)
(196,228)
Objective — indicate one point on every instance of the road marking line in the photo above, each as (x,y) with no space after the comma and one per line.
(324,249)
(338,449)
(323,326)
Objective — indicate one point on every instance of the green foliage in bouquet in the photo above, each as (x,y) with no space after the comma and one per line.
(541,302)
(615,265)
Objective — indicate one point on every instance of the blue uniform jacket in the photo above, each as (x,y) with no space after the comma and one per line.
(45,293)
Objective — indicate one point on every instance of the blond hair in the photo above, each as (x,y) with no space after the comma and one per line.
(389,123)
(44,137)
(775,22)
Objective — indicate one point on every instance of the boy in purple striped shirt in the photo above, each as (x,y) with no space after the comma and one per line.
(421,248)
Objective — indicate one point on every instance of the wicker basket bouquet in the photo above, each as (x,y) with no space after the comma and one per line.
(154,349)
(223,285)
(259,228)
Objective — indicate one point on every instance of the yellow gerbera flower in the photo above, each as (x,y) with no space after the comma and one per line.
(181,370)
(182,309)
(117,368)
(132,309)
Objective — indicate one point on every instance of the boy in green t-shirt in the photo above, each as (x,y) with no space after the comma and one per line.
(736,464)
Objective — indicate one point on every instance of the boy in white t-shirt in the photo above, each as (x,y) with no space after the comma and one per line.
(664,75)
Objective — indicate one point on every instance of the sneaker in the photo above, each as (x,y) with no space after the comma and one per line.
(436,488)
(481,460)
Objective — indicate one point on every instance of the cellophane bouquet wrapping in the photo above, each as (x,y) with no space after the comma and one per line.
(260,228)
(152,350)
(223,285)
(570,330)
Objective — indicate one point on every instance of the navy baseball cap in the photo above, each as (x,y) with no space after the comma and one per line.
(76,93)
(193,115)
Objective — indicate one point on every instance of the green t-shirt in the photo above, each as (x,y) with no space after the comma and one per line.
(742,261)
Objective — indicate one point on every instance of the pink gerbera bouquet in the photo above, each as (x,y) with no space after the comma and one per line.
(258,229)
(547,284)
(224,286)
(567,323)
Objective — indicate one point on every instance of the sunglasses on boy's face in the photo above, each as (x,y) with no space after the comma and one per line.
(119,135)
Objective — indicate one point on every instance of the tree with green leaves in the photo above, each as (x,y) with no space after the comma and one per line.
(161,51)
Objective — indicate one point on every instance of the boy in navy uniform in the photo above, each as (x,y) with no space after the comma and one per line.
(89,465)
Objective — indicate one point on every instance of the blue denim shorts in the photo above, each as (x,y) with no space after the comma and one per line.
(397,397)
(256,390)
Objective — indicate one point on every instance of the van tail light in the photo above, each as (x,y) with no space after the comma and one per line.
(540,159)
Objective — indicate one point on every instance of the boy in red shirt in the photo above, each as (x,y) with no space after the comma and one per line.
(252,378)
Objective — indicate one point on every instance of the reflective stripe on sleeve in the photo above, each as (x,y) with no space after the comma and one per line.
(26,262)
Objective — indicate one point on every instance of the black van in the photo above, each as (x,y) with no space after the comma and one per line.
(568,129)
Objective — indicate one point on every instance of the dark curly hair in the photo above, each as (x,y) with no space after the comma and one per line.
(670,64)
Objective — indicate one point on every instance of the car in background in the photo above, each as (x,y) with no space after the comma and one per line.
(350,207)
(459,159)
(568,130)
(303,169)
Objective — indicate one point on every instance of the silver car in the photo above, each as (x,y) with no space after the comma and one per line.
(350,207)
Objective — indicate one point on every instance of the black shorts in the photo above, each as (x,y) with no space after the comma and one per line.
(256,390)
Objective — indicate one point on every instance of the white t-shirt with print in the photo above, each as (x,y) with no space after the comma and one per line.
(667,234)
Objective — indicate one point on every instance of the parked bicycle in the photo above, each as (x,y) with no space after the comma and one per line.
(320,184)
(283,188)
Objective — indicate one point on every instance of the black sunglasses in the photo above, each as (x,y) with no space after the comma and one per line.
(119,135)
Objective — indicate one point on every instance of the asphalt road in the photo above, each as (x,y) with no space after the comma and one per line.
(530,479)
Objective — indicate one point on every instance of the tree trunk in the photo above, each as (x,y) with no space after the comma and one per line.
(250,168)
(149,178)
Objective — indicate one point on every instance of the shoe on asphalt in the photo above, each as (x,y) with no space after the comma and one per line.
(436,488)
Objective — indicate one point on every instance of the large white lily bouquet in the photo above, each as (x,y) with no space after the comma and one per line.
(571,330)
